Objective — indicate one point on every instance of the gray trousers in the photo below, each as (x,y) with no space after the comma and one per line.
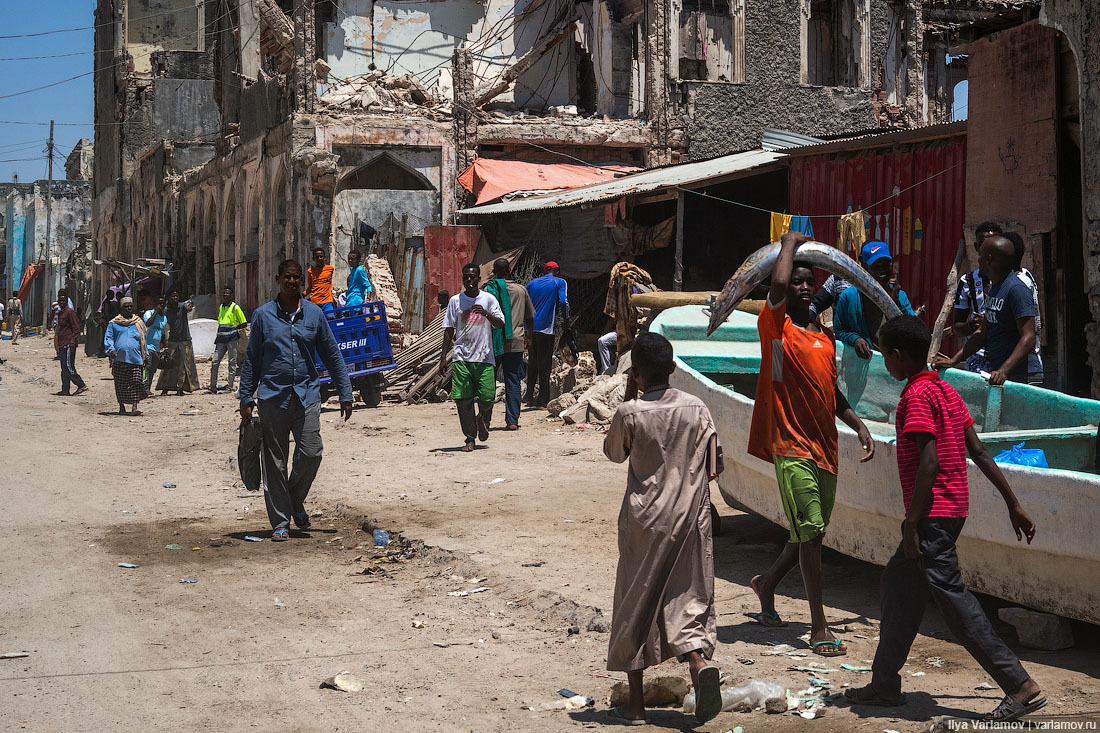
(229,348)
(151,363)
(286,495)
(906,587)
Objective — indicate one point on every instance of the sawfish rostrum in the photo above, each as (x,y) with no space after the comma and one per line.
(759,265)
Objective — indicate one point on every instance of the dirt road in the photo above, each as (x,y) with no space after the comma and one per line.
(531,517)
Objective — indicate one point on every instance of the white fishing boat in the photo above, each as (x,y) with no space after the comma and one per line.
(1058,573)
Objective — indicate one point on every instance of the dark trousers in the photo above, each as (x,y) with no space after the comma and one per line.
(511,364)
(151,364)
(286,495)
(542,361)
(68,368)
(471,420)
(906,585)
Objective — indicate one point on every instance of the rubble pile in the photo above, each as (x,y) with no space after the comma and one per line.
(377,91)
(385,289)
(578,395)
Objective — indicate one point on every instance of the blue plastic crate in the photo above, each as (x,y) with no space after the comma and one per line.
(363,334)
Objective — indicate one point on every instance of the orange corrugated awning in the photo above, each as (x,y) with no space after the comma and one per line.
(489,178)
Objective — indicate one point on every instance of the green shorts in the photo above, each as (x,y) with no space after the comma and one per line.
(808,492)
(473,379)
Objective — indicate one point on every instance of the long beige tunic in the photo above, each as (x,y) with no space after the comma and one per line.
(664,586)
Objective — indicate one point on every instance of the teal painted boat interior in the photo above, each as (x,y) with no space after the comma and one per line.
(1064,427)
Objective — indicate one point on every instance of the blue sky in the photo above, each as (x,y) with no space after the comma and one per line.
(68,102)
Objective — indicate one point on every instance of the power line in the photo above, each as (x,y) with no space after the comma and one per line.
(39,34)
(48,56)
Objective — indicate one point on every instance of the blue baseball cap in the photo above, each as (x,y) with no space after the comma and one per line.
(873,251)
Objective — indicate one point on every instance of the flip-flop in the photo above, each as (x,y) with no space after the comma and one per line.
(867,696)
(280,535)
(835,643)
(767,618)
(708,699)
(1011,709)
(618,717)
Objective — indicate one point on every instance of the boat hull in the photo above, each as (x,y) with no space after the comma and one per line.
(1058,573)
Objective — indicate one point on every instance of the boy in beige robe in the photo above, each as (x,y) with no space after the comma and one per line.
(664,585)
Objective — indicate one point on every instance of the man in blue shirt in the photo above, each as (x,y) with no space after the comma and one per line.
(550,296)
(279,369)
(856,319)
(358,284)
(155,323)
(1007,330)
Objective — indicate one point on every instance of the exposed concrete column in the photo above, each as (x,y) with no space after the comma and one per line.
(305,54)
(465,114)
(914,62)
(657,64)
(1077,21)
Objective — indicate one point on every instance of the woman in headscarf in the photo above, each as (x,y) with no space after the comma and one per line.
(125,344)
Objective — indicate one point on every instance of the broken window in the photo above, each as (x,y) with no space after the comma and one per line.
(835,44)
(712,40)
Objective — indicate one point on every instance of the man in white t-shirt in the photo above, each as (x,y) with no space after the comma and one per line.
(468,325)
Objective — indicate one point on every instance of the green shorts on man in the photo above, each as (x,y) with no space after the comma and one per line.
(808,493)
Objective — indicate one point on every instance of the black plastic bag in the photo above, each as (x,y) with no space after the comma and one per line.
(248,454)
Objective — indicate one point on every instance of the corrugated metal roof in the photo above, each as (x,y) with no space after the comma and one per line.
(656,179)
(774,139)
(880,139)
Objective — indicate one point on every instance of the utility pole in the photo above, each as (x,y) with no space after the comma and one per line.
(49,232)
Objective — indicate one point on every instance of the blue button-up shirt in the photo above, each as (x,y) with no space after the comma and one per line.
(125,341)
(278,363)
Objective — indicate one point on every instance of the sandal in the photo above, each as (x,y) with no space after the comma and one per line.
(836,651)
(301,521)
(767,618)
(708,699)
(867,696)
(280,535)
(1011,709)
(617,716)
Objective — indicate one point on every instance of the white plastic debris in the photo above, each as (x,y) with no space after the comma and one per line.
(754,694)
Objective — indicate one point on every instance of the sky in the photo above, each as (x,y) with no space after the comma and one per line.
(68,102)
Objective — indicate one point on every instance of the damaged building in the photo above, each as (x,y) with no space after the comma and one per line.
(232,134)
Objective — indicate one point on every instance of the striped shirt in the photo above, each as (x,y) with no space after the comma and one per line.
(930,405)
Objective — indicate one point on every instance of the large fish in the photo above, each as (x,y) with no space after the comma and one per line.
(759,265)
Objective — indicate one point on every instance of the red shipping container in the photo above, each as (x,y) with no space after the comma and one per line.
(447,249)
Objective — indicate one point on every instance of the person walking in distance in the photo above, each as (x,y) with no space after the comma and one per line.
(15,318)
(230,322)
(280,372)
(470,318)
(180,373)
(155,324)
(125,343)
(68,333)
(510,341)
(550,296)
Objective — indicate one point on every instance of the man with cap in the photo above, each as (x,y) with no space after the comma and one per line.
(856,320)
(550,296)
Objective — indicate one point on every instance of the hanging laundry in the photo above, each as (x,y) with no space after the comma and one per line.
(802,224)
(852,233)
(781,224)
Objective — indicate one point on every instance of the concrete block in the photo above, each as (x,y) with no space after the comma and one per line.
(561,402)
(1039,630)
(575,414)
(598,411)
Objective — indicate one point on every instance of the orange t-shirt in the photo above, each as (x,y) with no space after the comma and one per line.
(319,286)
(795,411)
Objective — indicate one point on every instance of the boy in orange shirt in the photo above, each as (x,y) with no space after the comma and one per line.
(319,283)
(794,427)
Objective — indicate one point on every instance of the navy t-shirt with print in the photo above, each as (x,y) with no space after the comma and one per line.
(1004,303)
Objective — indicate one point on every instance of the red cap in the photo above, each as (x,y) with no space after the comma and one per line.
(551,265)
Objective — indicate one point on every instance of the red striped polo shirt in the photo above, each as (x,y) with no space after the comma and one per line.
(930,405)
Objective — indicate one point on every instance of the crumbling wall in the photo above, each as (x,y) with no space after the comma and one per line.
(1078,21)
(721,118)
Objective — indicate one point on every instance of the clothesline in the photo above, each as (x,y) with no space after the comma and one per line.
(704,194)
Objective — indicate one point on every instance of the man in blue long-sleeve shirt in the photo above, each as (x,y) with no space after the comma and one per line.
(550,296)
(279,370)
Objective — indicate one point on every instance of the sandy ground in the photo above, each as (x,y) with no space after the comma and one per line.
(531,516)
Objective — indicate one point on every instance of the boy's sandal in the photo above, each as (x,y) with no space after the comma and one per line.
(836,650)
(617,717)
(280,535)
(867,696)
(767,618)
(1011,709)
(708,700)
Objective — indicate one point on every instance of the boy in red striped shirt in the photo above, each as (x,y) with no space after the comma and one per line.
(934,434)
